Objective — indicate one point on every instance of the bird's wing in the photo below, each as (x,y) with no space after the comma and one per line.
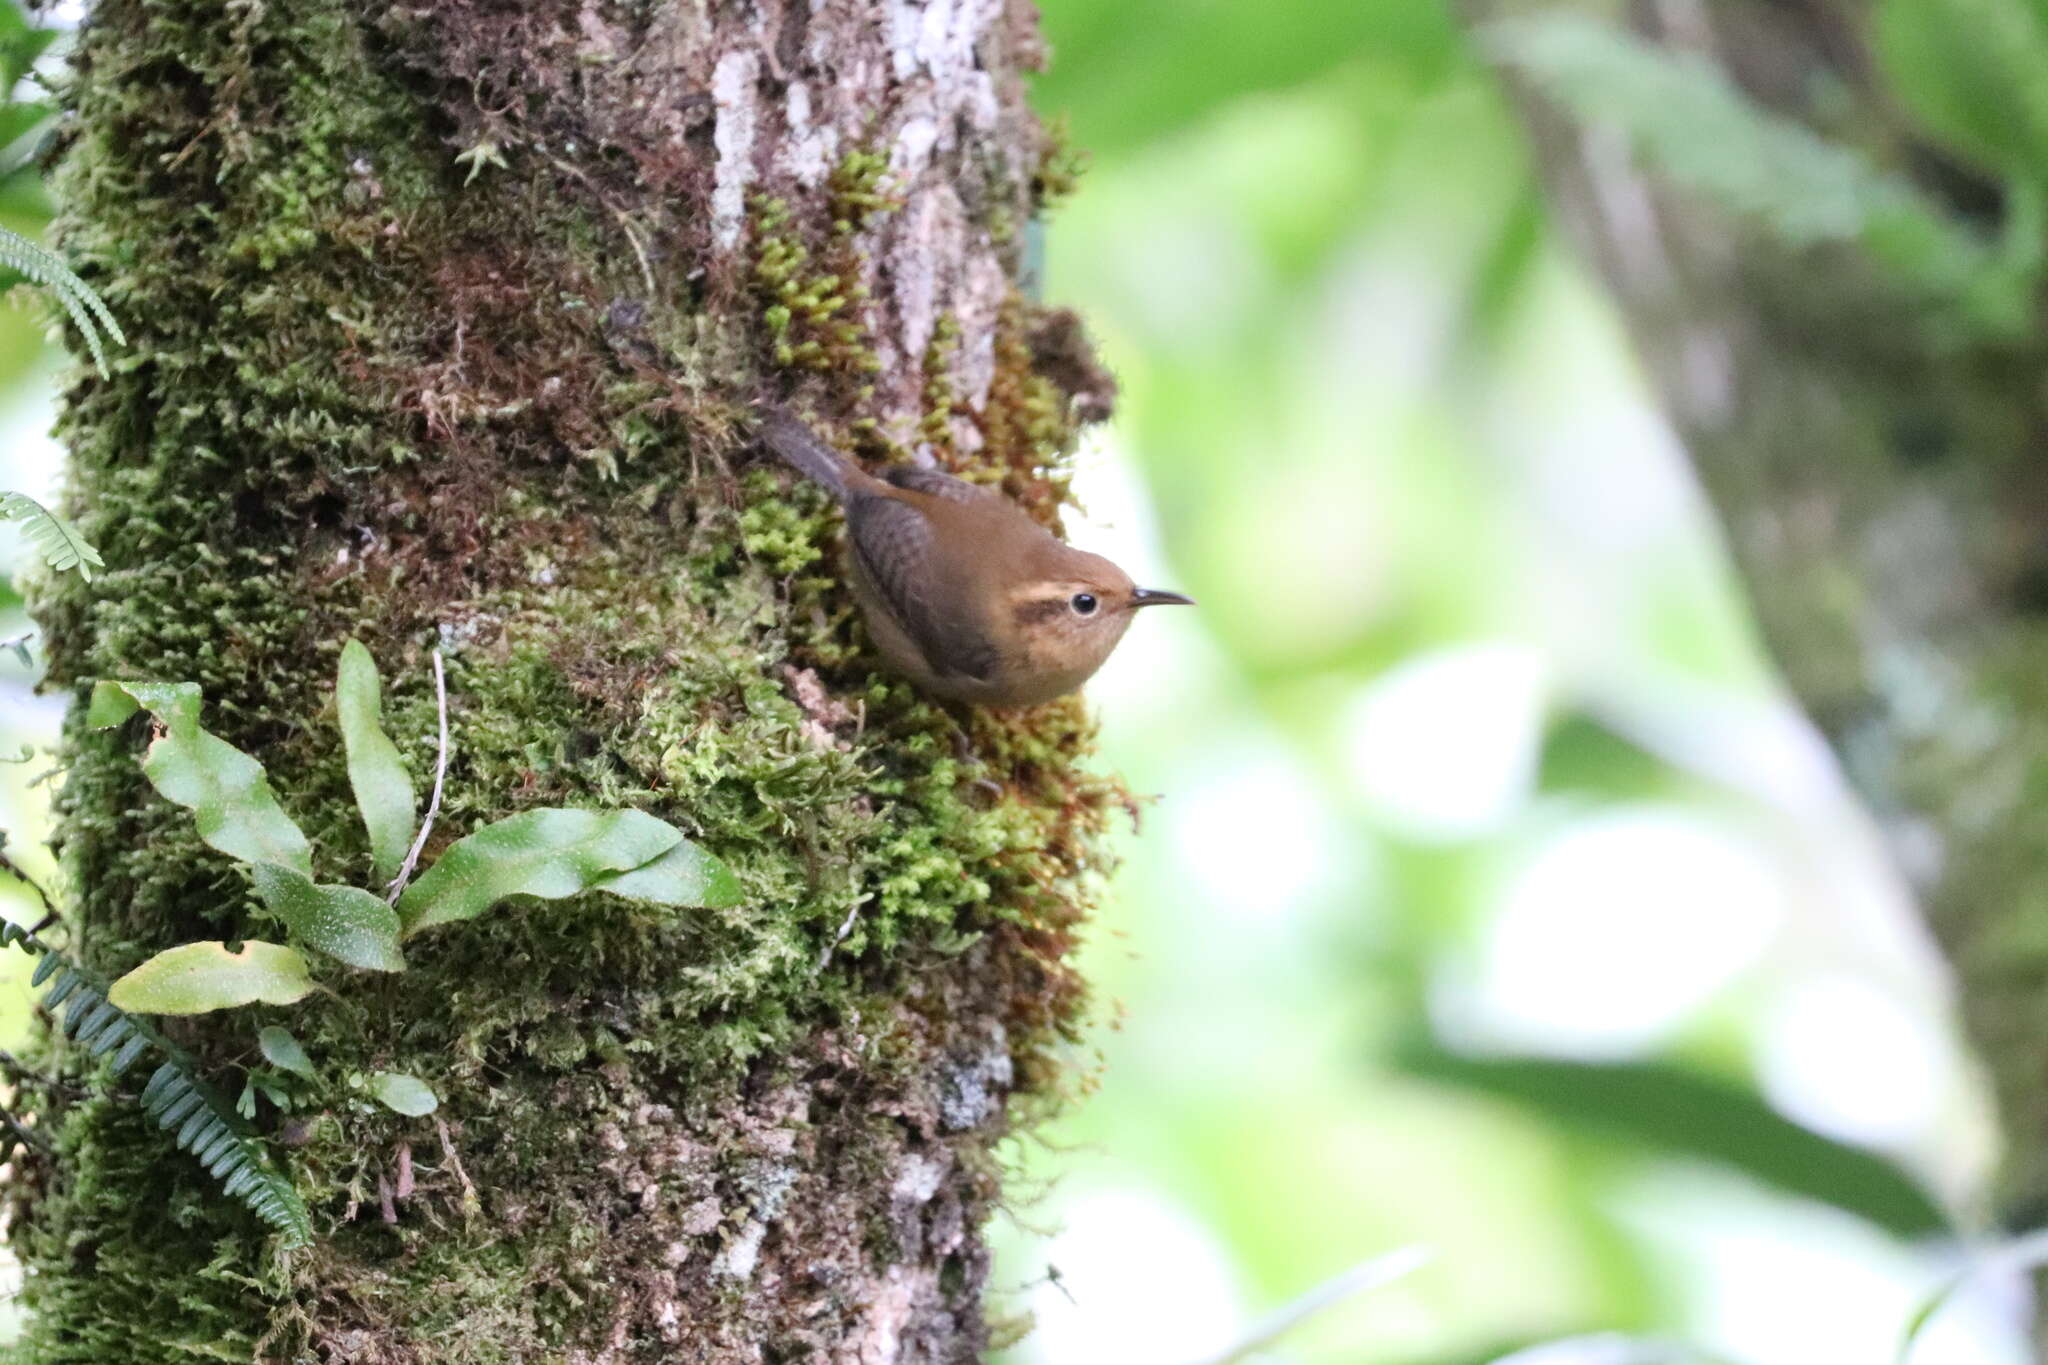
(896,548)
(931,481)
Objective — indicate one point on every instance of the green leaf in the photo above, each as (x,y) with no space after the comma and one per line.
(1657,1105)
(1198,59)
(548,853)
(384,790)
(20,45)
(193,978)
(19,119)
(282,1051)
(56,540)
(227,791)
(1971,70)
(685,876)
(409,1095)
(174,704)
(344,922)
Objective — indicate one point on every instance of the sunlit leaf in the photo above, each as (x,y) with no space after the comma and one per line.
(282,1051)
(408,1095)
(547,853)
(684,876)
(176,705)
(54,539)
(344,922)
(18,119)
(1662,1106)
(384,790)
(1198,58)
(20,44)
(193,978)
(227,791)
(1972,71)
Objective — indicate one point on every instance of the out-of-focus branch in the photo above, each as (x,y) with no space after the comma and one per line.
(1875,461)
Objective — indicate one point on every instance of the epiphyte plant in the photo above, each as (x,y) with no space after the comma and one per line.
(547,853)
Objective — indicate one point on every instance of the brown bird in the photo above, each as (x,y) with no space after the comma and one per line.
(965,594)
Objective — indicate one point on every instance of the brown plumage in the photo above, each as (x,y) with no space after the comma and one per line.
(965,594)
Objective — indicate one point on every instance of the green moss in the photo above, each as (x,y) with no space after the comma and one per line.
(1060,165)
(367,400)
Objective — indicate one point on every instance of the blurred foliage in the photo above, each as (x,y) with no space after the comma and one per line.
(1463,616)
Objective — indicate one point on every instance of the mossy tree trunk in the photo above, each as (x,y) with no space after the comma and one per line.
(1878,467)
(444,321)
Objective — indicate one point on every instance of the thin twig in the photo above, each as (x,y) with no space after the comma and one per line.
(30,1138)
(13,869)
(1380,1270)
(26,1074)
(448,1150)
(845,928)
(419,845)
(625,224)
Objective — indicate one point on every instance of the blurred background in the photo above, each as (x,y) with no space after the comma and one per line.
(1494,902)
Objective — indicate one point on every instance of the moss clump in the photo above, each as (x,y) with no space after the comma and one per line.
(1060,165)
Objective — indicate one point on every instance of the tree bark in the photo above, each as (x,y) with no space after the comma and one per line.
(1879,475)
(444,320)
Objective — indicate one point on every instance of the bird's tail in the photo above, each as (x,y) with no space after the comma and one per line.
(803,451)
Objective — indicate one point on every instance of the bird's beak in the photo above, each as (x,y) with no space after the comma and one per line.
(1153,597)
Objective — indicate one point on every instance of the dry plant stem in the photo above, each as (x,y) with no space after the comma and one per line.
(419,844)
(1373,1274)
(454,1158)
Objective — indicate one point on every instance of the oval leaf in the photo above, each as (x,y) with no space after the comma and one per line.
(193,978)
(408,1095)
(549,853)
(685,875)
(282,1051)
(1660,1105)
(344,922)
(384,790)
(227,791)
(175,704)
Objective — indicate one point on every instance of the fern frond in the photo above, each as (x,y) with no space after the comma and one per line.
(55,539)
(200,1120)
(87,311)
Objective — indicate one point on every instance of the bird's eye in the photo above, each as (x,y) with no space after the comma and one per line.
(1083,603)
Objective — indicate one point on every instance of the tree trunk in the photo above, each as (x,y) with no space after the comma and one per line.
(1878,468)
(444,319)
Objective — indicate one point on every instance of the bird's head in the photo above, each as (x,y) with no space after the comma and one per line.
(1073,616)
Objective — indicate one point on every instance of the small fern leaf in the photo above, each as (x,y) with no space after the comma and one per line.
(200,1120)
(55,539)
(88,312)
(130,1050)
(66,983)
(200,1123)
